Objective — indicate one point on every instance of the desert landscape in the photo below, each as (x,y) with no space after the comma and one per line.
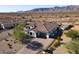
(39,31)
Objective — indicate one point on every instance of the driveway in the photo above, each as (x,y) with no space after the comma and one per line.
(44,42)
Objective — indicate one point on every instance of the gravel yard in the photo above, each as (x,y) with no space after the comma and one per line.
(76,27)
(7,44)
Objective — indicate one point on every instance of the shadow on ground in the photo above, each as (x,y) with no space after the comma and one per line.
(34,45)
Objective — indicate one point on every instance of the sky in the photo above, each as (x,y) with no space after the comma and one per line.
(14,8)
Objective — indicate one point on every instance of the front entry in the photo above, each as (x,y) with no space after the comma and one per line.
(41,35)
(32,33)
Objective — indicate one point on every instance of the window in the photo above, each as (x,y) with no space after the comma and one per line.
(30,33)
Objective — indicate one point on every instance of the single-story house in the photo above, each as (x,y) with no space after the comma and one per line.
(44,29)
(66,26)
(7,25)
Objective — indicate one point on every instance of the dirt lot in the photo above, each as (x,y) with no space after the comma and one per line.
(76,27)
(6,40)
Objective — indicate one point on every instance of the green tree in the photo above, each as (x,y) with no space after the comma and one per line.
(19,31)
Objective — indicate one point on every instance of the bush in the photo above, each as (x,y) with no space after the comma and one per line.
(58,41)
(73,47)
(26,39)
(72,34)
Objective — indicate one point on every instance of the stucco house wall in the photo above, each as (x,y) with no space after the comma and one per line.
(44,30)
(32,33)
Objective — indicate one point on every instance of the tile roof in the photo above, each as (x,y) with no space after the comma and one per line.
(39,27)
(44,26)
(50,26)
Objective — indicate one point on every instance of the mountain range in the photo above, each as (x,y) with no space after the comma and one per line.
(71,8)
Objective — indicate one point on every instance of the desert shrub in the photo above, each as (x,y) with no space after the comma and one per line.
(73,34)
(73,47)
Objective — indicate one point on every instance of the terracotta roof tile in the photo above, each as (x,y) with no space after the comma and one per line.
(41,26)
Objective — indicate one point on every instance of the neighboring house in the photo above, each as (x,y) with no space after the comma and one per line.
(7,25)
(44,29)
(66,27)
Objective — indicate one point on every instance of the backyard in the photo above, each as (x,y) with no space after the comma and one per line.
(70,43)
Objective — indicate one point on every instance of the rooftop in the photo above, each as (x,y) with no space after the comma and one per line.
(44,26)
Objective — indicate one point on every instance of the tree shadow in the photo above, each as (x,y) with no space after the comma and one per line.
(26,39)
(34,45)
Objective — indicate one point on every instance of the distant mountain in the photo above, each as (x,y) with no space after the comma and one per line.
(71,8)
